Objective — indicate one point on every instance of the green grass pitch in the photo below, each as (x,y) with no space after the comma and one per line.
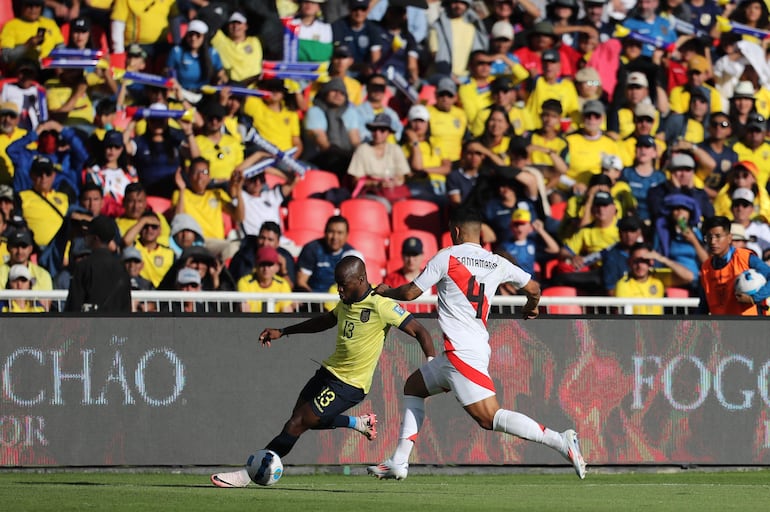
(695,490)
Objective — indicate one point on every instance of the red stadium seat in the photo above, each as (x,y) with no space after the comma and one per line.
(309,213)
(429,245)
(314,182)
(159,205)
(366,215)
(417,214)
(303,236)
(677,293)
(375,271)
(565,309)
(271,180)
(371,245)
(6,13)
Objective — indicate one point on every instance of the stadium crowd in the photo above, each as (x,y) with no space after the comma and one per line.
(257,142)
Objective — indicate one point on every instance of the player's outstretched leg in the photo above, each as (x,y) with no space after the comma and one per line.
(397,467)
(238,478)
(572,452)
(523,426)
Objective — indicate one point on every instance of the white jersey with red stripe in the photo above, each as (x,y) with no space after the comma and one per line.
(466,278)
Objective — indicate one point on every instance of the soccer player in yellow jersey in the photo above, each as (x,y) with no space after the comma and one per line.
(345,377)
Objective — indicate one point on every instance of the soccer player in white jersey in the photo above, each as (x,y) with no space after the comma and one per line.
(466,277)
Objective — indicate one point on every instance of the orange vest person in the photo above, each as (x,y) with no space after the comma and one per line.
(719,271)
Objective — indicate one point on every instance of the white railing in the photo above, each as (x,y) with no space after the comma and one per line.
(224,301)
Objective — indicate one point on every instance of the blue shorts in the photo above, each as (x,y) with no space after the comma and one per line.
(329,396)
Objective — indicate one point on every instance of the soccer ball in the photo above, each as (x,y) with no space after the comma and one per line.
(264,467)
(749,281)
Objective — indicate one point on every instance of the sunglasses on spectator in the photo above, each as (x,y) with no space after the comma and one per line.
(483,63)
(47,172)
(189,285)
(742,174)
(639,261)
(445,94)
(720,124)
(151,226)
(592,115)
(644,119)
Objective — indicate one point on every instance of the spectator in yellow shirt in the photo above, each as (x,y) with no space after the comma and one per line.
(263,279)
(587,145)
(241,53)
(9,132)
(20,278)
(550,85)
(476,95)
(448,122)
(29,35)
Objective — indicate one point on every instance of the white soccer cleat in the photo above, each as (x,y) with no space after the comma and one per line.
(238,478)
(389,471)
(572,452)
(367,425)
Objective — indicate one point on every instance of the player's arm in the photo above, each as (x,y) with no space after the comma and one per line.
(532,291)
(417,331)
(316,324)
(409,291)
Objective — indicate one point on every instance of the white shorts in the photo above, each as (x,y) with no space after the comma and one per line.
(467,376)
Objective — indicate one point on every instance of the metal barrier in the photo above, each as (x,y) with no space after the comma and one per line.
(229,302)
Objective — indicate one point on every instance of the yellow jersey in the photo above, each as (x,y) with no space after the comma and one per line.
(474,98)
(277,127)
(223,156)
(652,288)
(249,284)
(41,279)
(361,330)
(125,223)
(57,94)
(6,165)
(585,155)
(562,90)
(679,99)
(146,20)
(241,60)
(760,157)
(17,32)
(447,129)
(41,215)
(206,208)
(157,262)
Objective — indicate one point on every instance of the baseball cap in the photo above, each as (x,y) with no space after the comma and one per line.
(363,4)
(736,230)
(502,30)
(645,110)
(645,141)
(42,164)
(131,253)
(602,198)
(550,56)
(9,107)
(521,216)
(6,192)
(612,162)
(198,26)
(755,120)
(212,108)
(412,246)
(681,161)
(698,63)
(267,255)
(19,271)
(341,51)
(501,83)
(188,276)
(113,138)
(80,25)
(638,79)
(587,74)
(380,121)
(544,28)
(446,84)
(418,112)
(743,194)
(748,165)
(237,17)
(135,50)
(599,179)
(744,89)
(630,223)
(20,237)
(552,105)
(103,228)
(593,107)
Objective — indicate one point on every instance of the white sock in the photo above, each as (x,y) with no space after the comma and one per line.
(523,426)
(414,414)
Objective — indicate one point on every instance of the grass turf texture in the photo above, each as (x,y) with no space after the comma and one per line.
(116,492)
